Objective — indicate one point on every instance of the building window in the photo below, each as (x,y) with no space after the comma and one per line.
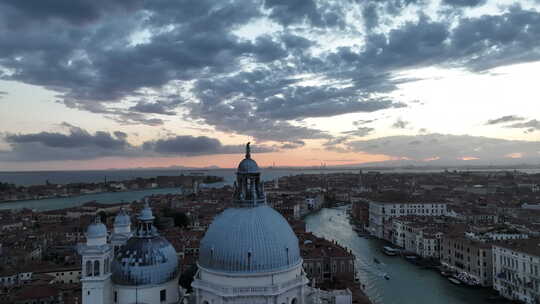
(163,295)
(294,301)
(89,268)
(116,297)
(96,268)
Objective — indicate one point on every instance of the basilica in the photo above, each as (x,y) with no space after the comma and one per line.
(249,255)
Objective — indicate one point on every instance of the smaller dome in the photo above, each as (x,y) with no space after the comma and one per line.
(146,214)
(96,230)
(248,165)
(122,219)
(145,261)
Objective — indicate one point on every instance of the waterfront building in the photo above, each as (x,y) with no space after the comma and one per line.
(468,257)
(516,267)
(381,213)
(326,262)
(360,210)
(250,254)
(474,215)
(418,235)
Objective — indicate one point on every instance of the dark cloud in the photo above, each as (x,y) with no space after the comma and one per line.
(360,132)
(530,126)
(17,13)
(77,137)
(97,55)
(120,134)
(201,145)
(79,144)
(362,122)
(504,119)
(292,145)
(336,144)
(370,15)
(495,40)
(447,147)
(469,3)
(260,104)
(151,107)
(289,12)
(400,124)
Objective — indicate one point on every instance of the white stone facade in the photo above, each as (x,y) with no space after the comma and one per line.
(516,274)
(381,212)
(289,286)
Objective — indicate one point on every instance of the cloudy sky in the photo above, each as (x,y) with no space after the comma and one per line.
(92,84)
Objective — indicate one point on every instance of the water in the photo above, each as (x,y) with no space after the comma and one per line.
(105,198)
(408,283)
(64,177)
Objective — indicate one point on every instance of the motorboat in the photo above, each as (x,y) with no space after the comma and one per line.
(389,251)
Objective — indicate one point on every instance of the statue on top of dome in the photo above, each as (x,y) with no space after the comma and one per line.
(248,150)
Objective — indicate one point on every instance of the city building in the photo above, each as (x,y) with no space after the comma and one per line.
(468,257)
(381,213)
(420,235)
(516,268)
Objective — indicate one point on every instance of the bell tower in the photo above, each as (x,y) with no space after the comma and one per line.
(96,265)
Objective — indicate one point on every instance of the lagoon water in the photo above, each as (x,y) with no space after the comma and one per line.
(63,177)
(67,202)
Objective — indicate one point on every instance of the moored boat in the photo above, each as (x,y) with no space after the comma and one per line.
(389,251)
(446,273)
(454,281)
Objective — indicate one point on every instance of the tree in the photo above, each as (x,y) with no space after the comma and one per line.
(186,278)
(181,219)
(102,216)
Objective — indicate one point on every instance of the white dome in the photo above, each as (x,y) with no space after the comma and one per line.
(122,219)
(96,230)
(249,240)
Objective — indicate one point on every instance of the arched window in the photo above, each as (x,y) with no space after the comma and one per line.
(107,264)
(96,268)
(206,302)
(294,301)
(89,268)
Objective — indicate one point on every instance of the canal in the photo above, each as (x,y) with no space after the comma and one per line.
(408,283)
